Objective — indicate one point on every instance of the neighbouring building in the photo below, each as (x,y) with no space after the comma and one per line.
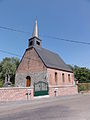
(44,70)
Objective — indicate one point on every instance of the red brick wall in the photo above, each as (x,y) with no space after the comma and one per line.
(51,76)
(34,64)
(14,94)
(63,90)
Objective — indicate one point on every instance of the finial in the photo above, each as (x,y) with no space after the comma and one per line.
(35,32)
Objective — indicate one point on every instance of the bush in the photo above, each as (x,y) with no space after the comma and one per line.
(1,83)
(83,87)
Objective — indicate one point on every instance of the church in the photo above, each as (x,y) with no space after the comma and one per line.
(44,71)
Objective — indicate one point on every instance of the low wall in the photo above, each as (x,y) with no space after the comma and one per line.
(16,93)
(63,90)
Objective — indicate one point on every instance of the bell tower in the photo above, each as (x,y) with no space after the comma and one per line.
(34,40)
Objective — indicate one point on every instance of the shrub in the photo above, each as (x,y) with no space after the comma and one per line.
(83,87)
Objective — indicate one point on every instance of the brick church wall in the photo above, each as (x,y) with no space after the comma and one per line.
(32,67)
(51,76)
(35,68)
(61,88)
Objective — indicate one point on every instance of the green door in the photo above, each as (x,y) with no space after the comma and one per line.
(40,88)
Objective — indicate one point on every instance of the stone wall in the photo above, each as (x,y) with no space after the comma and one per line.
(20,80)
(15,94)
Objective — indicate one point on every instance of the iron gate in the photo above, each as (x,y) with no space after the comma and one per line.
(41,88)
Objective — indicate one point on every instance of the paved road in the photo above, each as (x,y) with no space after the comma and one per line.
(60,108)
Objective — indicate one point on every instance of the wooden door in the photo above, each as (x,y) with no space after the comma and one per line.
(28,81)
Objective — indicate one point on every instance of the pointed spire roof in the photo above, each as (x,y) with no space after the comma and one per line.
(35,32)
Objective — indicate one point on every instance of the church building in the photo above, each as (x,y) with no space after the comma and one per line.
(44,71)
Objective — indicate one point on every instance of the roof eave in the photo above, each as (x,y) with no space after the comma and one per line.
(59,69)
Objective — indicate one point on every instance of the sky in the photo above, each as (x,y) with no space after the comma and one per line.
(67,19)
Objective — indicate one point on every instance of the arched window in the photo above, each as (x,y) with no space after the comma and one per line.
(55,78)
(69,77)
(63,77)
(28,81)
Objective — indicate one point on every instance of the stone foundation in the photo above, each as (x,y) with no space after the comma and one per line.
(20,78)
(15,94)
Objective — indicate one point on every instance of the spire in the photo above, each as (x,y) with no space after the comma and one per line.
(35,32)
(34,40)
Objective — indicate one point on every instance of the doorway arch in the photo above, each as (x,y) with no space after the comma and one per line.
(28,81)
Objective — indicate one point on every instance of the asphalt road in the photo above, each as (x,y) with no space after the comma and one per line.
(60,108)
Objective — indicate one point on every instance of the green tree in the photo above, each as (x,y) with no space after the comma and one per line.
(82,74)
(8,65)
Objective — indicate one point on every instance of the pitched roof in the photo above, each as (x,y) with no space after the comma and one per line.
(51,59)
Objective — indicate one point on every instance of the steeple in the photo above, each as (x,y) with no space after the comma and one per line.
(35,41)
(35,32)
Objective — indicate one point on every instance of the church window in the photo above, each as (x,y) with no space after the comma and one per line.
(55,78)
(69,77)
(63,78)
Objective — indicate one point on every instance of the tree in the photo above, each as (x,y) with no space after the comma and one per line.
(9,65)
(82,74)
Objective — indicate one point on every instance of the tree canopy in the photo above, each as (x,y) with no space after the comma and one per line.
(82,74)
(8,65)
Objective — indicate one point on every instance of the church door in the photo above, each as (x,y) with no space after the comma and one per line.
(28,81)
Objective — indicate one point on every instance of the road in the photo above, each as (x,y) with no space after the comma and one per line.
(60,108)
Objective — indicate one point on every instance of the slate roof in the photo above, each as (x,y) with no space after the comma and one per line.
(51,59)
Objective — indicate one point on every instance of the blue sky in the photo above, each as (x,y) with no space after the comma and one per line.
(69,19)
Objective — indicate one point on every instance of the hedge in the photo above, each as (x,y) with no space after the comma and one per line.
(83,87)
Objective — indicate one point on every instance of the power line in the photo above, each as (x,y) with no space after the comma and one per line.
(51,37)
(67,40)
(14,30)
(7,52)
